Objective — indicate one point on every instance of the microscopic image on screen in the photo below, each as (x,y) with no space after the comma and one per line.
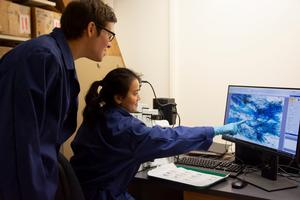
(263,116)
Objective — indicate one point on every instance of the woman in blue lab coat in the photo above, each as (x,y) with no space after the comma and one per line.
(38,104)
(111,144)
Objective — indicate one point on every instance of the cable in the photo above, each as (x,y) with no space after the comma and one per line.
(179,120)
(288,167)
(163,105)
(159,110)
(151,87)
(248,170)
(285,173)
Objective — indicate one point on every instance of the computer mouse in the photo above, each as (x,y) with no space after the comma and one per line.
(238,184)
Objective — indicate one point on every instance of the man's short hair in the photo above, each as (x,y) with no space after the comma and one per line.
(78,14)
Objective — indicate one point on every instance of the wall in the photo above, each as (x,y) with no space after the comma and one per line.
(212,43)
(143,36)
(253,42)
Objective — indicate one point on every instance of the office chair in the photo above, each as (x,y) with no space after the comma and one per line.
(69,186)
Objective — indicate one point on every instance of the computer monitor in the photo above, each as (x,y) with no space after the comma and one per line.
(270,129)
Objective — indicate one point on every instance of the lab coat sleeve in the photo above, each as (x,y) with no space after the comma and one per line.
(36,120)
(155,142)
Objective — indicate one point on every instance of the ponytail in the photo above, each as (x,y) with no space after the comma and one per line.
(92,96)
(92,100)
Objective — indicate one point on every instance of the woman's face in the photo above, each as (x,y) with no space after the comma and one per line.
(130,102)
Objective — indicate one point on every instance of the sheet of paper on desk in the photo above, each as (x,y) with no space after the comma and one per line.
(185,175)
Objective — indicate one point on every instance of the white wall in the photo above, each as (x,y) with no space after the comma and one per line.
(143,36)
(252,42)
(213,43)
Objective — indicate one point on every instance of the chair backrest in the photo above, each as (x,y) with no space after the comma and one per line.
(69,186)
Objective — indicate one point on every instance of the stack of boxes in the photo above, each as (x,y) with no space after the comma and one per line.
(43,21)
(15,19)
(26,22)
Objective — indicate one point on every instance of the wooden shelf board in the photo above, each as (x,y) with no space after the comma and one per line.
(40,3)
(13,38)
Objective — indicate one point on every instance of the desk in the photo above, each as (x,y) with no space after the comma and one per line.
(145,188)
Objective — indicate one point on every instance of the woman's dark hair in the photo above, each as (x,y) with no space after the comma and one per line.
(78,14)
(116,82)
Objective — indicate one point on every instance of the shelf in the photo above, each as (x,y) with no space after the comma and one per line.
(40,3)
(13,38)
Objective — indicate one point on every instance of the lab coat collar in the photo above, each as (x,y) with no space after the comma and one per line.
(117,109)
(59,36)
(123,111)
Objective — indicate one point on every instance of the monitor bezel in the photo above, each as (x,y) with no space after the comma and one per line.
(257,146)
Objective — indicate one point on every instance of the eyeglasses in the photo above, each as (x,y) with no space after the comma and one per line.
(111,35)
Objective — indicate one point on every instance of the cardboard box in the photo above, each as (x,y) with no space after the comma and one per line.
(15,19)
(4,50)
(43,21)
(62,4)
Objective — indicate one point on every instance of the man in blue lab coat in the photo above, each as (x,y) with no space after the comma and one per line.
(38,103)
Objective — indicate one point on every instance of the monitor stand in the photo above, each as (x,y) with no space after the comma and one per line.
(266,179)
(256,179)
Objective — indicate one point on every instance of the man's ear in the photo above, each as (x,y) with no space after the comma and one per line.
(91,29)
(118,99)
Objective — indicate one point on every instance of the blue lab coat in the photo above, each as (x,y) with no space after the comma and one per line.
(108,153)
(38,108)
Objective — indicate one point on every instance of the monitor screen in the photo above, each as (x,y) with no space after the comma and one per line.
(272,117)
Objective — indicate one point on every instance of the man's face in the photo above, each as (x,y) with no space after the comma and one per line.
(100,43)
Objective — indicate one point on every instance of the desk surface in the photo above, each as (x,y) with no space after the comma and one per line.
(224,189)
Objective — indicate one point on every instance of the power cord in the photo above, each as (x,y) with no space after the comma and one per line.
(163,104)
(179,120)
(289,171)
(143,81)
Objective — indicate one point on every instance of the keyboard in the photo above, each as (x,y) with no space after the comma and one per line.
(209,164)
